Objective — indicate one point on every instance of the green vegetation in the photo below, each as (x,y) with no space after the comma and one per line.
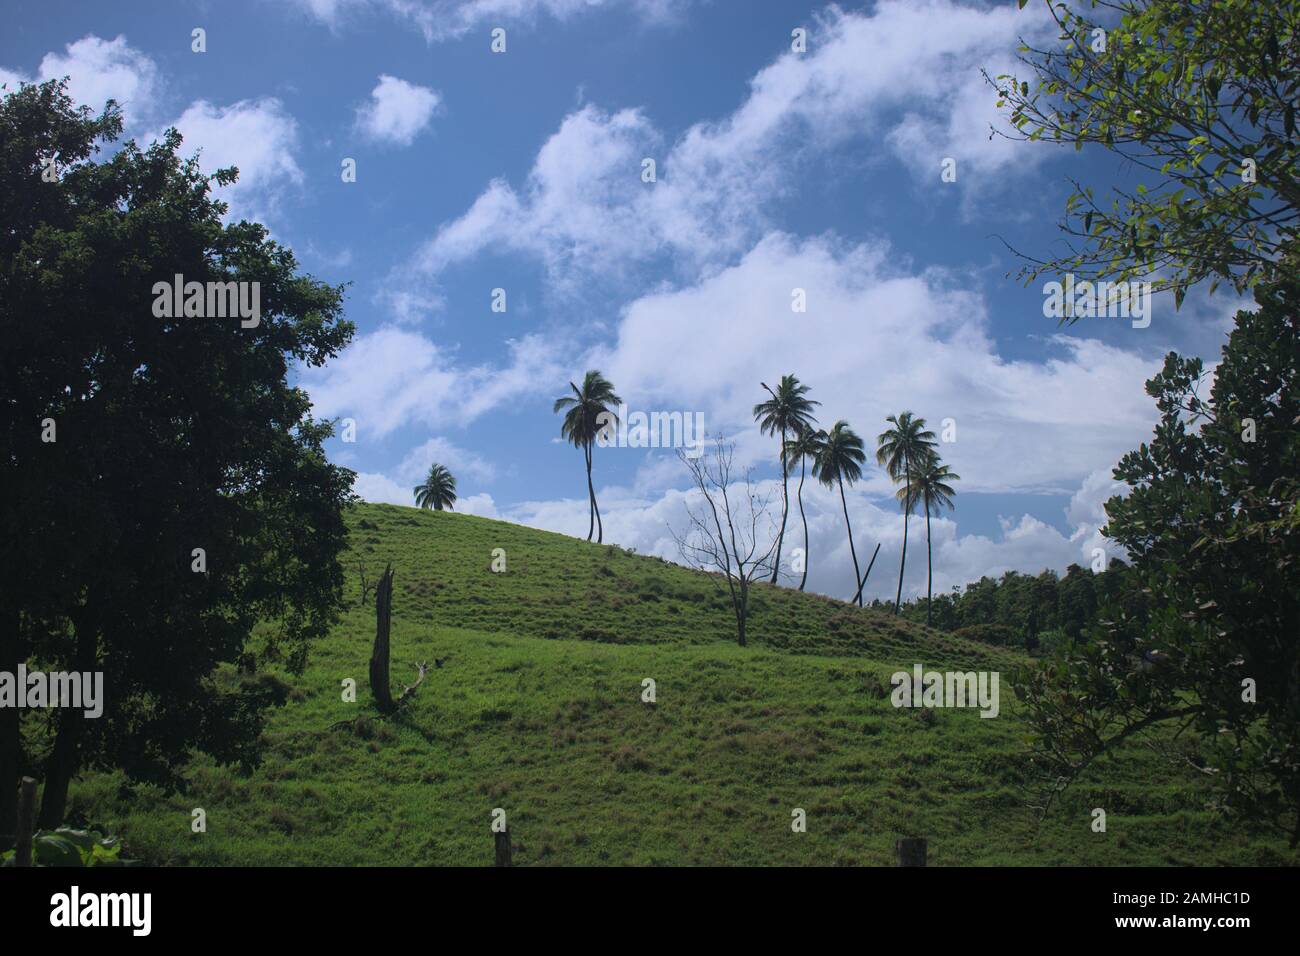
(537,708)
(1199,98)
(1027,611)
(1210,525)
(165,486)
(70,847)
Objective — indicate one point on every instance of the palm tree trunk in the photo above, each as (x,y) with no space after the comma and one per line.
(591,494)
(857,575)
(803,468)
(929,565)
(785,507)
(898,598)
(595,505)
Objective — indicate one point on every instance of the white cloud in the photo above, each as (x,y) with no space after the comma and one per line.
(1087,506)
(421,383)
(908,73)
(480,504)
(99,70)
(461,463)
(380,488)
(877,340)
(258,136)
(397,111)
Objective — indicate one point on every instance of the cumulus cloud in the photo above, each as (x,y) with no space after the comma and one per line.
(421,382)
(99,70)
(397,111)
(907,72)
(875,340)
(258,136)
(461,463)
(381,489)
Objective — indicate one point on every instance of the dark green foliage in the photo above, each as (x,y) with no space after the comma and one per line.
(1212,523)
(1023,606)
(1195,96)
(172,434)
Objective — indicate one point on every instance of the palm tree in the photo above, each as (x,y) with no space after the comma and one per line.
(785,412)
(839,459)
(438,491)
(803,447)
(901,450)
(583,411)
(930,487)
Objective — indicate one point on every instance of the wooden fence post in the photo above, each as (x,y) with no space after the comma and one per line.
(502,847)
(911,851)
(26,819)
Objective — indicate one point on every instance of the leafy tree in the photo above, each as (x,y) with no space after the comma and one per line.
(586,413)
(803,448)
(786,412)
(1211,526)
(165,487)
(902,451)
(1200,96)
(438,491)
(839,459)
(1077,600)
(931,489)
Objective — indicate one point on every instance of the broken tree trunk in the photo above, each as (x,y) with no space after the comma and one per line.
(379,657)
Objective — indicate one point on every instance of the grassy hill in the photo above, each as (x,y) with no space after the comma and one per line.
(537,709)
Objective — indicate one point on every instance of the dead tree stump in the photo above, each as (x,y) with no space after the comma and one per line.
(379,685)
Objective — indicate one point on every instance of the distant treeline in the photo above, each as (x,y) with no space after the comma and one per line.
(1035,612)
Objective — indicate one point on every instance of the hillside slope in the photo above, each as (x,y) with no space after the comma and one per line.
(538,709)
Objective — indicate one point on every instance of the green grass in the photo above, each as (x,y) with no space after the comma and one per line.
(538,710)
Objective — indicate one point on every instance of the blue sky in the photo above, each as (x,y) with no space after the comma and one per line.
(776,170)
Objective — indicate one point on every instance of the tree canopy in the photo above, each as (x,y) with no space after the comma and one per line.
(1199,98)
(166,486)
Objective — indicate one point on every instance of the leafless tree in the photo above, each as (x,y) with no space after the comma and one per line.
(730,531)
